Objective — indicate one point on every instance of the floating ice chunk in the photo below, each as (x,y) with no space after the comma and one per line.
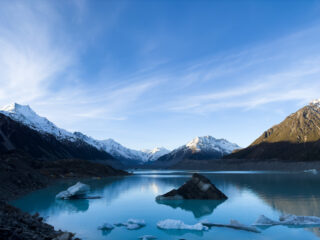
(236,225)
(264,221)
(106,226)
(233,224)
(75,191)
(177,224)
(136,221)
(289,219)
(313,171)
(131,224)
(147,237)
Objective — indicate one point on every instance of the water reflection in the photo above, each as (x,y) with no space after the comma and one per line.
(249,195)
(199,208)
(74,205)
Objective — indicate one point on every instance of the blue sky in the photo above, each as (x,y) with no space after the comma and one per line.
(158,73)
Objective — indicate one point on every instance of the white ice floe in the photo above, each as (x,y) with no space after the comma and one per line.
(313,171)
(106,226)
(233,224)
(131,224)
(147,237)
(288,219)
(179,225)
(75,191)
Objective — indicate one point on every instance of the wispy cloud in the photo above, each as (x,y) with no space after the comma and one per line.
(274,72)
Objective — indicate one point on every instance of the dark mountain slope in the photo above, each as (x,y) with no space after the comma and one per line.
(16,136)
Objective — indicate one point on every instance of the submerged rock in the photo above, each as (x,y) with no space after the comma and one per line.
(172,224)
(198,187)
(79,190)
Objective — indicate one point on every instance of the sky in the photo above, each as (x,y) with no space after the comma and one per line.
(159,73)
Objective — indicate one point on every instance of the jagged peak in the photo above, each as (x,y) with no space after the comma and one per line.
(18,108)
(25,115)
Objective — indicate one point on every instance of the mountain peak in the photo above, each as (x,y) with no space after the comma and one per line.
(25,115)
(315,102)
(18,108)
(208,143)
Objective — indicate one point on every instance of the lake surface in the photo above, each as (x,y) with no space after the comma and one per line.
(250,195)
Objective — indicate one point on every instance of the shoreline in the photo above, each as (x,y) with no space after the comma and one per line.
(241,165)
(20,175)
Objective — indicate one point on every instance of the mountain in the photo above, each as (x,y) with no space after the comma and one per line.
(129,156)
(24,115)
(126,156)
(297,138)
(17,136)
(200,148)
(156,153)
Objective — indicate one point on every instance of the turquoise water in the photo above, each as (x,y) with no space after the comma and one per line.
(250,195)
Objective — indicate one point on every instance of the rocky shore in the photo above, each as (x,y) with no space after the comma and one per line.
(20,174)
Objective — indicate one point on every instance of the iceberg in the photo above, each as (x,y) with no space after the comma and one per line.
(131,224)
(233,224)
(289,220)
(106,226)
(79,190)
(171,224)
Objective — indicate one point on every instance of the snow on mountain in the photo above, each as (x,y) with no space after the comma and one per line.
(315,102)
(25,115)
(155,153)
(204,145)
(209,143)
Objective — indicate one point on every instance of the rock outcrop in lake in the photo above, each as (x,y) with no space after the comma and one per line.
(198,187)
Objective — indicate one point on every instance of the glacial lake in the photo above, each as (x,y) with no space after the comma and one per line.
(250,195)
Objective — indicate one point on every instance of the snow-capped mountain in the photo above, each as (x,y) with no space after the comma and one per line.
(123,153)
(200,148)
(25,115)
(155,153)
(210,144)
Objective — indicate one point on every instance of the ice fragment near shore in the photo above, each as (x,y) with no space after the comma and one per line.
(75,191)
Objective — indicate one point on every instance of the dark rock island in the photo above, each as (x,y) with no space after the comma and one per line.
(198,187)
